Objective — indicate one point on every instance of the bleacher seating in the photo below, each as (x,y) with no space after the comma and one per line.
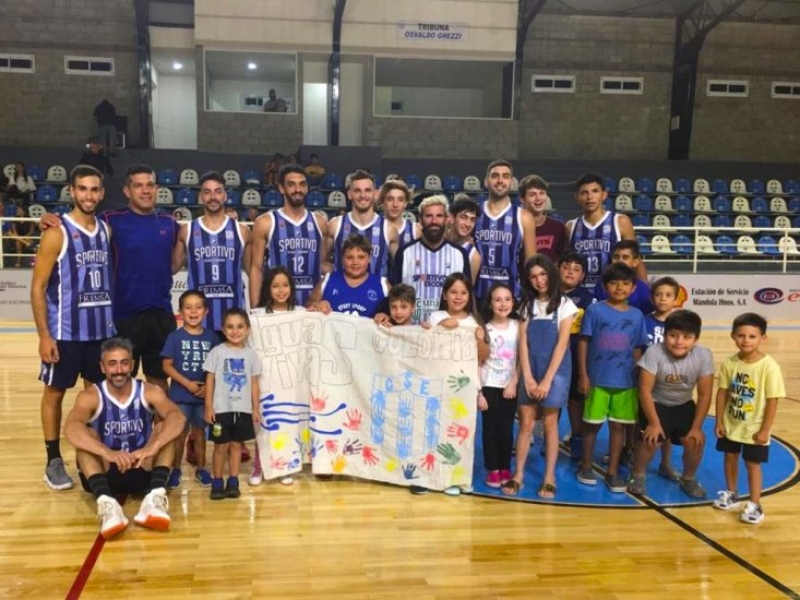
(782,222)
(756,186)
(36,211)
(740,205)
(189,177)
(767,245)
(725,245)
(683,186)
(704,245)
(792,187)
(662,222)
(251,197)
(722,221)
(433,183)
(46,194)
(452,184)
(623,203)
(682,204)
(774,188)
(746,245)
(186,197)
(788,245)
(778,206)
(626,185)
(610,185)
(641,220)
(252,178)
(663,204)
(65,197)
(413,182)
(273,199)
(316,199)
(35,173)
(166,177)
(182,214)
(643,203)
(233,199)
(738,187)
(664,185)
(702,204)
(721,204)
(232,179)
(682,244)
(702,221)
(794,205)
(759,204)
(682,220)
(762,222)
(660,245)
(701,186)
(164,196)
(57,174)
(8,170)
(514,185)
(644,244)
(409,216)
(645,185)
(742,222)
(720,186)
(472,184)
(331,181)
(337,199)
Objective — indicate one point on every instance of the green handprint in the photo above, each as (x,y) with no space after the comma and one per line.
(449,454)
(458,383)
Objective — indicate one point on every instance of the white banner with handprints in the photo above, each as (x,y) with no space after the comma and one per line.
(395,405)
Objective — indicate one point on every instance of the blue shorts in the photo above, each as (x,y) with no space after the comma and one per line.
(193,413)
(74,358)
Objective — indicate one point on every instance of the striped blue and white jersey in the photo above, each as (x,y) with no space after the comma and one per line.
(296,245)
(126,425)
(499,240)
(376,231)
(596,243)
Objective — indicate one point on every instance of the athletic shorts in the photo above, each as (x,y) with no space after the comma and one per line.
(148,332)
(753,453)
(74,358)
(676,421)
(133,482)
(232,427)
(612,404)
(193,413)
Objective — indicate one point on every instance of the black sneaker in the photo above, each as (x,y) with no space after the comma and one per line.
(232,488)
(418,490)
(218,492)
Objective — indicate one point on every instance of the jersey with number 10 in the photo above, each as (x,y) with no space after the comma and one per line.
(79,291)
(296,245)
(215,267)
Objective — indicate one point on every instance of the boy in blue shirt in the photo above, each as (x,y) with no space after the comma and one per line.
(612,338)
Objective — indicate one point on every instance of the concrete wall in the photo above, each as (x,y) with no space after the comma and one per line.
(52,108)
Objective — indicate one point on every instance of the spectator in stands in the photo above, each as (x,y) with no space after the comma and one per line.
(105,115)
(21,186)
(22,232)
(314,171)
(251,215)
(549,232)
(275,104)
(271,169)
(94,157)
(3,184)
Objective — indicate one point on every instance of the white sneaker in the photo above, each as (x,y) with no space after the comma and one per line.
(453,490)
(256,476)
(154,512)
(288,480)
(726,500)
(752,513)
(109,514)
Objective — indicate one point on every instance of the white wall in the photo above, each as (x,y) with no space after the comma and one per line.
(175,113)
(418,101)
(351,108)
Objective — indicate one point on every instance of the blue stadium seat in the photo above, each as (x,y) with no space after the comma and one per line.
(794,205)
(60,210)
(683,186)
(378,180)
(796,223)
(725,245)
(272,198)
(720,186)
(186,197)
(316,199)
(682,244)
(167,177)
(35,172)
(762,222)
(45,194)
(792,187)
(251,178)
(722,221)
(759,204)
(721,204)
(645,185)
(331,181)
(644,244)
(766,244)
(611,185)
(641,220)
(234,198)
(643,203)
(683,204)
(608,203)
(452,184)
(413,181)
(756,187)
(682,220)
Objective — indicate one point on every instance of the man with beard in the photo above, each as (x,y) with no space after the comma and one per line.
(363,219)
(291,237)
(218,248)
(119,450)
(71,301)
(502,232)
(426,262)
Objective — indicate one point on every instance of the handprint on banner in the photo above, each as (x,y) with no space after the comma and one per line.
(459,408)
(314,450)
(354,419)
(458,383)
(331,446)
(449,453)
(352,447)
(369,456)
(294,463)
(458,474)
(277,463)
(313,419)
(278,441)
(338,464)
(410,471)
(391,465)
(317,402)
(461,433)
(428,462)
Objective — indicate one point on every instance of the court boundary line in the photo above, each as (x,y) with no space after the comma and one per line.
(86,569)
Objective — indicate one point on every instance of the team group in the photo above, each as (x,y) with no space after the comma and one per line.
(561,325)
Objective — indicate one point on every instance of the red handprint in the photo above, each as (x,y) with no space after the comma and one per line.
(428,462)
(331,446)
(369,456)
(454,430)
(318,403)
(354,419)
(277,463)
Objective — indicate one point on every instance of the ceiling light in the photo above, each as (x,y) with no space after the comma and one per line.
(252,66)
(177,66)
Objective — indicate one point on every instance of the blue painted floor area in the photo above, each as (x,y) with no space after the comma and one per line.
(781,468)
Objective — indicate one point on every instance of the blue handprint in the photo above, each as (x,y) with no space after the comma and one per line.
(410,471)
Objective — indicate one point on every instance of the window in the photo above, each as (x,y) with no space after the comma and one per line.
(88,65)
(622,85)
(241,81)
(731,89)
(17,63)
(555,84)
(786,89)
(460,89)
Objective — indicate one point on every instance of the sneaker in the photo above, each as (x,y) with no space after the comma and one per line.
(109,514)
(154,512)
(669,472)
(693,489)
(636,485)
(174,481)
(217,490)
(493,479)
(587,477)
(232,488)
(505,476)
(726,500)
(245,453)
(752,513)
(256,476)
(615,484)
(288,480)
(453,490)
(418,490)
(56,476)
(203,476)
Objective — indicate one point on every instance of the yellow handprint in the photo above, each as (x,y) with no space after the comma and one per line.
(391,465)
(458,408)
(278,441)
(339,463)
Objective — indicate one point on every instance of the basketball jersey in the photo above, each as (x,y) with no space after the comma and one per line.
(596,243)
(79,291)
(499,241)
(362,300)
(406,234)
(296,245)
(215,267)
(375,231)
(425,270)
(124,426)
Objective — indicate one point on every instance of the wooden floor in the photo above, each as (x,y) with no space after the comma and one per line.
(352,539)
